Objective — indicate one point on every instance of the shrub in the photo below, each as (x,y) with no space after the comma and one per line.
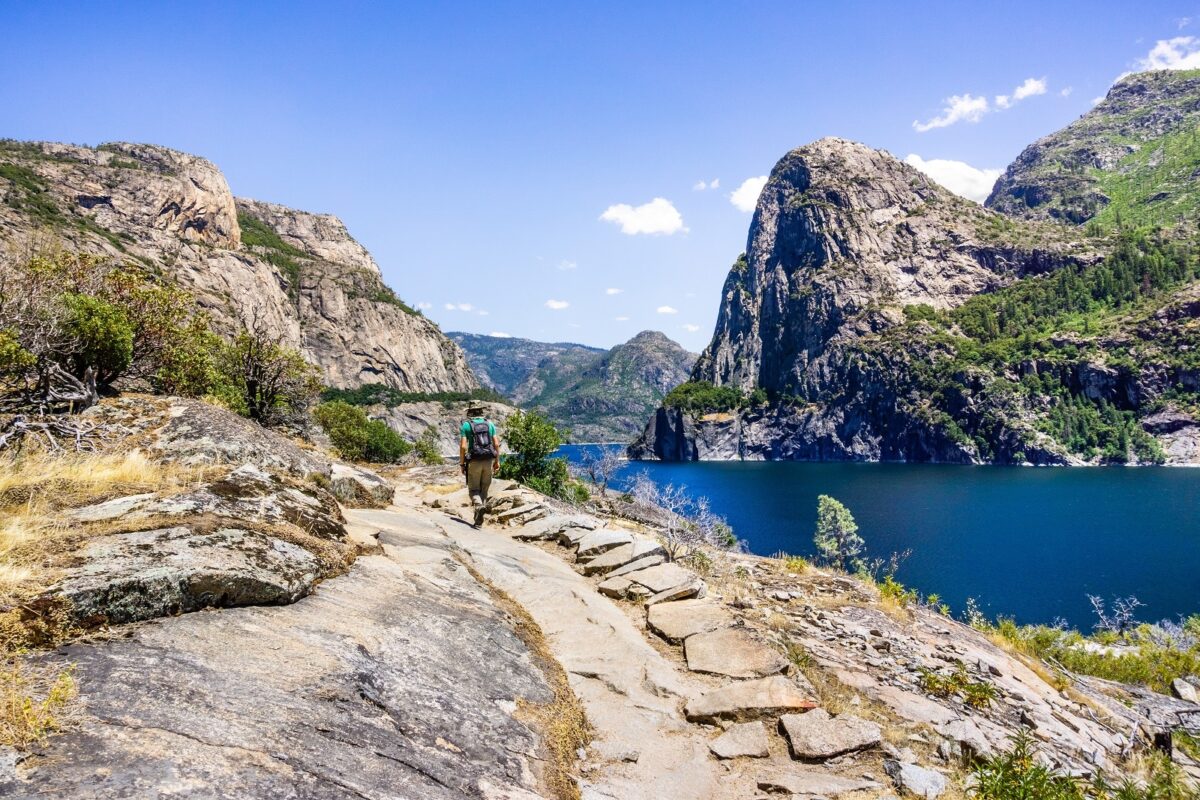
(836,536)
(357,437)
(700,397)
(427,447)
(102,336)
(275,382)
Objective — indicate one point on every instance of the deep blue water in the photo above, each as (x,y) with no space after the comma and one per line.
(1030,543)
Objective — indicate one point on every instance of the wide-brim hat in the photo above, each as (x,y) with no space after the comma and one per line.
(475,409)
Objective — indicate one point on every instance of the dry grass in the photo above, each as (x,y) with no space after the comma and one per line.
(562,722)
(35,701)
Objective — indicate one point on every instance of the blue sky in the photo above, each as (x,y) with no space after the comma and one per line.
(475,148)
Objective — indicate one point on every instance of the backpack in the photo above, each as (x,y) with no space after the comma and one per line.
(482,443)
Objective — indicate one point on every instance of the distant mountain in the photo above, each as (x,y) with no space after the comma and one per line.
(595,395)
(1134,159)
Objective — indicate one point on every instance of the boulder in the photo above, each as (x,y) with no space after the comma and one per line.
(816,735)
(967,736)
(360,488)
(622,555)
(614,587)
(914,780)
(734,652)
(744,740)
(1185,690)
(126,577)
(677,621)
(599,541)
(812,783)
(748,700)
(695,589)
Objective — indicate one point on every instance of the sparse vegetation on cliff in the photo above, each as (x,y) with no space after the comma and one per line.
(700,397)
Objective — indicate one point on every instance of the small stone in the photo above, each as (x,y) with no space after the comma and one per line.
(745,740)
(915,780)
(818,735)
(810,782)
(614,587)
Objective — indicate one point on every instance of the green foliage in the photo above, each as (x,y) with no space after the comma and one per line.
(274,250)
(699,397)
(275,382)
(28,194)
(976,694)
(359,438)
(427,447)
(14,359)
(836,537)
(532,439)
(1017,774)
(1099,428)
(102,333)
(381,394)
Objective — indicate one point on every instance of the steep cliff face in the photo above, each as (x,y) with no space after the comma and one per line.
(1134,158)
(300,274)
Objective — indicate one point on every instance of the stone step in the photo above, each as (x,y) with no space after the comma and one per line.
(601,540)
(743,740)
(812,783)
(677,621)
(640,564)
(623,555)
(733,652)
(817,735)
(748,700)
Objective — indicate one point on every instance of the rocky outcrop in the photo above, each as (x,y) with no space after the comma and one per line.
(593,395)
(412,420)
(1121,150)
(299,274)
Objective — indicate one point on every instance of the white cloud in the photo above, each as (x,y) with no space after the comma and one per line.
(567,266)
(482,313)
(613,291)
(667,310)
(1097,100)
(1032,87)
(1066,92)
(557,305)
(622,319)
(691,328)
(700,186)
(1181,52)
(424,306)
(658,216)
(500,335)
(958,108)
(1183,22)
(957,176)
(715,183)
(745,197)
(459,307)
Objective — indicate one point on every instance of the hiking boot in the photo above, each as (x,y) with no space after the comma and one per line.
(479,509)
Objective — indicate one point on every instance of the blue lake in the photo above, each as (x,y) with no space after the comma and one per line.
(1026,543)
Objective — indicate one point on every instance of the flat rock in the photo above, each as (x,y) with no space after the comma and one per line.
(126,577)
(744,740)
(734,652)
(641,563)
(599,541)
(677,621)
(810,782)
(614,587)
(1185,690)
(748,700)
(818,735)
(663,577)
(696,588)
(915,780)
(621,556)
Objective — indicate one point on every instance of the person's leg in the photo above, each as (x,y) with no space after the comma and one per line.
(485,479)
(474,476)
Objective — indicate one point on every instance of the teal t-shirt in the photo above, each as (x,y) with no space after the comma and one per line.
(466,428)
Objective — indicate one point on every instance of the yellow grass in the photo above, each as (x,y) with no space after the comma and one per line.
(35,701)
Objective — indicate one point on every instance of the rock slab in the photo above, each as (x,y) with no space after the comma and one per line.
(915,780)
(816,735)
(734,652)
(677,621)
(748,700)
(744,740)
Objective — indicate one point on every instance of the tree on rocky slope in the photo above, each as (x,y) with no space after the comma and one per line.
(836,537)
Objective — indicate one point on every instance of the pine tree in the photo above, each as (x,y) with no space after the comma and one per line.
(836,537)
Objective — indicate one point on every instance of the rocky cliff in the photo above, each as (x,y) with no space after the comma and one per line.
(596,395)
(301,274)
(876,316)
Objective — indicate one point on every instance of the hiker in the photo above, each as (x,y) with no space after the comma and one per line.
(479,457)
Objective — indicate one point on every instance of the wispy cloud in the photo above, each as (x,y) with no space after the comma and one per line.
(501,335)
(613,291)
(424,306)
(1181,52)
(745,197)
(659,216)
(667,310)
(1032,87)
(1066,91)
(567,266)
(483,313)
(700,186)
(690,328)
(556,305)
(621,319)
(957,176)
(958,108)
(459,307)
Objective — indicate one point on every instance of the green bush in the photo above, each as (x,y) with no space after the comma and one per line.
(699,397)
(427,447)
(103,337)
(532,439)
(358,437)
(836,536)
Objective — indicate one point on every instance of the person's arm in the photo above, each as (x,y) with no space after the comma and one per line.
(462,452)
(496,460)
